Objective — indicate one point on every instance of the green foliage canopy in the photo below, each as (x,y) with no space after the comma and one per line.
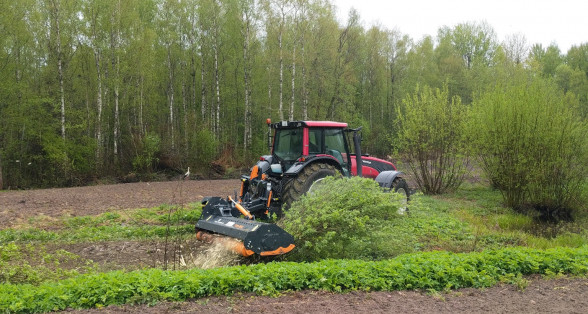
(533,146)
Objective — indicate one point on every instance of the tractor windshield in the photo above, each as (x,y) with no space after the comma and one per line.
(288,144)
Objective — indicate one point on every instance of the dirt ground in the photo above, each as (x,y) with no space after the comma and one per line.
(539,296)
(18,206)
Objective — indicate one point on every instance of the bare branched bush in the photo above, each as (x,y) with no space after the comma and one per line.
(433,139)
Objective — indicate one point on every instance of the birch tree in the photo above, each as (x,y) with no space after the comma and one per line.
(55,18)
(95,38)
(247,31)
(169,20)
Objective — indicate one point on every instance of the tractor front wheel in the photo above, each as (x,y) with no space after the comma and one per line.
(304,181)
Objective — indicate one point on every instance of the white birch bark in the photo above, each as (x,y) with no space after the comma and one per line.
(171,95)
(141,105)
(217,87)
(281,90)
(55,14)
(115,43)
(247,113)
(304,89)
(293,99)
(202,81)
(99,105)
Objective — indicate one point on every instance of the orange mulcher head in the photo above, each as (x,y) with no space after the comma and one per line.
(264,239)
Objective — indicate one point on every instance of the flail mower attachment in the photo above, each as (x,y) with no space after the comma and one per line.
(220,216)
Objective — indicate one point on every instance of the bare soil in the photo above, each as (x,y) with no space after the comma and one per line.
(19,206)
(540,296)
(563,295)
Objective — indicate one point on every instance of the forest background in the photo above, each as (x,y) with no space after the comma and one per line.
(95,89)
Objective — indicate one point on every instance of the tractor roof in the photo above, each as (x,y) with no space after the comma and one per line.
(312,124)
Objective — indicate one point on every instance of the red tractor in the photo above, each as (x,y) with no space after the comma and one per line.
(302,154)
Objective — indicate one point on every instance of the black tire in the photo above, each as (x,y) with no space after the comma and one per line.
(304,181)
(399,185)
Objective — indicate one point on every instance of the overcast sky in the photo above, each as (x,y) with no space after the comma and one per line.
(564,22)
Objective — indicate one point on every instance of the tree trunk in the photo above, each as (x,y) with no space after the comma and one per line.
(293,99)
(116,127)
(280,107)
(185,110)
(269,92)
(116,131)
(217,126)
(171,95)
(115,43)
(60,70)
(141,105)
(54,16)
(247,115)
(304,90)
(202,84)
(99,107)
(302,27)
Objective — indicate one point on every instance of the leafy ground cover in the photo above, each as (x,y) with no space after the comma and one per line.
(428,270)
(471,219)
(446,242)
(129,224)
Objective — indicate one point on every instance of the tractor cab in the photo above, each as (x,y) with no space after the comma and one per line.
(297,142)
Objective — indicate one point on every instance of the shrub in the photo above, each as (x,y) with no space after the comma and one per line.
(203,147)
(533,146)
(340,219)
(146,154)
(432,135)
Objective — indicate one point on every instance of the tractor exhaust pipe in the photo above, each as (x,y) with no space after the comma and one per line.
(357,148)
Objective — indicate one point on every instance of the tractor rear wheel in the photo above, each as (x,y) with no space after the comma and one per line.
(304,181)
(400,186)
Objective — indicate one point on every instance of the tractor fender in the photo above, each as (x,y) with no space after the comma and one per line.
(297,167)
(385,178)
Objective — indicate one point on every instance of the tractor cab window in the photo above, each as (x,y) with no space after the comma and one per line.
(288,144)
(315,141)
(335,144)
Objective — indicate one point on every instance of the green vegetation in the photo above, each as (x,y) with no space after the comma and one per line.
(495,226)
(147,223)
(141,86)
(103,88)
(341,218)
(432,136)
(533,146)
(32,264)
(462,239)
(427,271)
(353,218)
(102,233)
